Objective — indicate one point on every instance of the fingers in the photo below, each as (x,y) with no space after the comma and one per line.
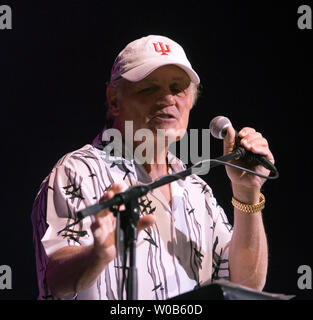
(245,131)
(111,192)
(105,218)
(255,142)
(250,139)
(115,188)
(145,222)
(229,140)
(104,223)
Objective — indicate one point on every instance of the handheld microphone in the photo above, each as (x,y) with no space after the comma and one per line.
(218,128)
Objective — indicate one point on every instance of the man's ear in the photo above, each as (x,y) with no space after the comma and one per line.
(113,103)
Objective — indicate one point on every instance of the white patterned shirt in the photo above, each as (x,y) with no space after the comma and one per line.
(186,247)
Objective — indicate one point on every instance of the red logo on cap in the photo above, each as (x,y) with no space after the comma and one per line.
(162,49)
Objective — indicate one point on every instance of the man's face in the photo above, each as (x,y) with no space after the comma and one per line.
(162,100)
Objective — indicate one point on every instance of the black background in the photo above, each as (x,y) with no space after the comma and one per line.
(255,66)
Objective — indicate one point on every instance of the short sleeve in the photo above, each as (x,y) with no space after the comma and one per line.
(76,182)
(69,191)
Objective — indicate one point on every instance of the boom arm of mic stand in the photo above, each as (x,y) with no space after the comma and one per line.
(136,191)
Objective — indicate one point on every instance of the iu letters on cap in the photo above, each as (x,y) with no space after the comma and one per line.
(159,47)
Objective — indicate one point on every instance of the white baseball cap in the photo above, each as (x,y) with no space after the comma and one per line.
(142,56)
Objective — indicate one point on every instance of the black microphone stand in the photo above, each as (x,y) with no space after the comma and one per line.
(128,223)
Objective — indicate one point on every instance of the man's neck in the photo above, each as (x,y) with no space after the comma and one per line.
(156,164)
(154,153)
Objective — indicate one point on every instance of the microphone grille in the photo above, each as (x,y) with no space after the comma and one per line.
(218,126)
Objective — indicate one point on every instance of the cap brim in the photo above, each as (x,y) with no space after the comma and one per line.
(140,72)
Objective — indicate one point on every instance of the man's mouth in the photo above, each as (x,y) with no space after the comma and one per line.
(164,116)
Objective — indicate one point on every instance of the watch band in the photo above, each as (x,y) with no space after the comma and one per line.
(249,208)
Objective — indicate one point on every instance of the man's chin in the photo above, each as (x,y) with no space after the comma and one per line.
(172,134)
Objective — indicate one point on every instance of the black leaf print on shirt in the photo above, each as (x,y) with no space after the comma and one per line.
(72,234)
(126,170)
(199,257)
(150,239)
(114,164)
(76,239)
(74,191)
(191,210)
(198,285)
(204,187)
(92,175)
(152,210)
(108,187)
(217,261)
(145,206)
(122,166)
(121,267)
(157,287)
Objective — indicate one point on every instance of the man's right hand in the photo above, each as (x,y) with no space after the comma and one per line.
(104,224)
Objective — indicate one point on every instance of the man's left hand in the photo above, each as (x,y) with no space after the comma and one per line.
(246,186)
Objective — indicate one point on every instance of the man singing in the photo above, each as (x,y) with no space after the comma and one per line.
(185,239)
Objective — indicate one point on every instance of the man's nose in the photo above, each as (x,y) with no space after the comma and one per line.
(167,98)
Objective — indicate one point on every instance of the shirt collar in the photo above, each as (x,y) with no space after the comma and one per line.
(101,141)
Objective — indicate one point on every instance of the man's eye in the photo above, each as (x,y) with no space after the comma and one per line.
(177,90)
(147,89)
